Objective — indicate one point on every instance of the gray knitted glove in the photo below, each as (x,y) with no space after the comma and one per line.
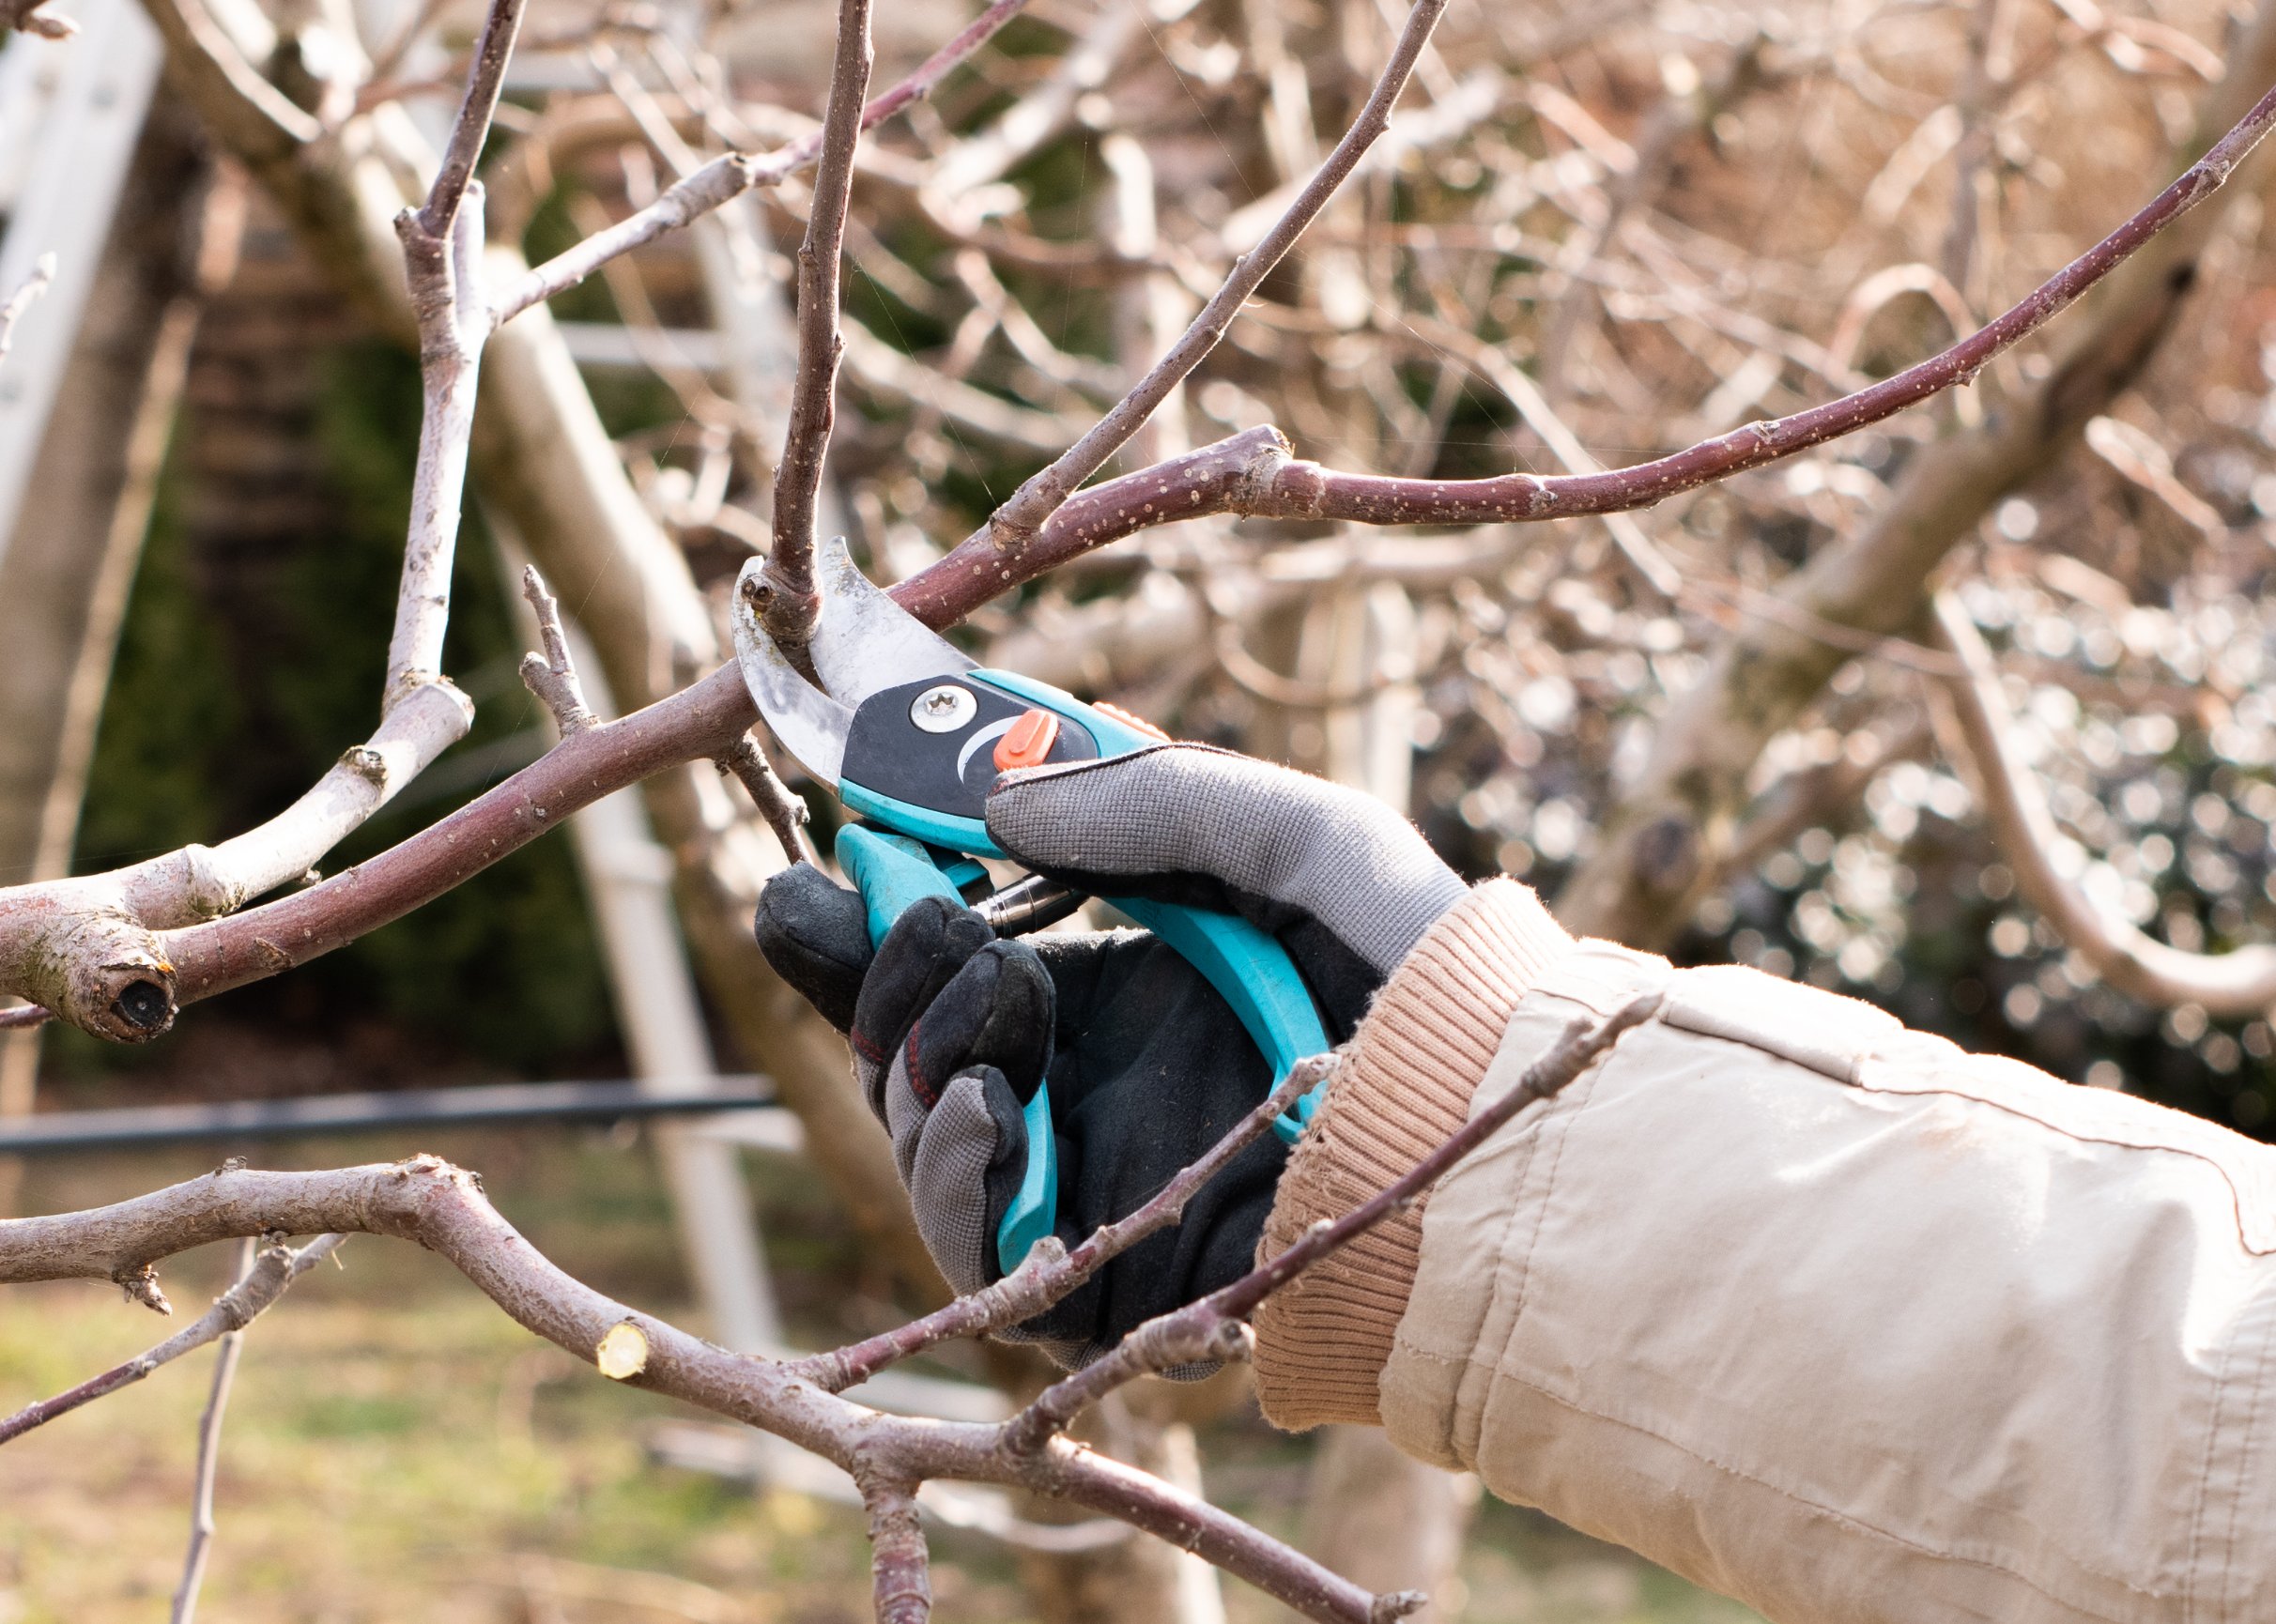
(1193,824)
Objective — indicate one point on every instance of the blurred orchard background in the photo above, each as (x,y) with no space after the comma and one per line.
(1599,230)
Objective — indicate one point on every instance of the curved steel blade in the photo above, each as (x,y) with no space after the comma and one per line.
(811,724)
(865,642)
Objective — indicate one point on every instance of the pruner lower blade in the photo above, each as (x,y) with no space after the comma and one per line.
(811,724)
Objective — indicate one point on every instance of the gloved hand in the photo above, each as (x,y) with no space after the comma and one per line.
(952,1030)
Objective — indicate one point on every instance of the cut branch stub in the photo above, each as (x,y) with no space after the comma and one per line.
(94,966)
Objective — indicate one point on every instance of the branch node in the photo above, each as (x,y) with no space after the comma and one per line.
(140,1283)
(367,764)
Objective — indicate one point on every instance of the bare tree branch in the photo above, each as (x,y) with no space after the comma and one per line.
(2238,983)
(1666,842)
(787,601)
(85,948)
(443,1209)
(696,723)
(255,1291)
(1212,1328)
(470,129)
(1255,475)
(898,1561)
(259,117)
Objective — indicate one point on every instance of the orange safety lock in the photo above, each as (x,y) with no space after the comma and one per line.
(1028,742)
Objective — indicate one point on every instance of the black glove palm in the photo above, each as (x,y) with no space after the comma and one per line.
(1148,1067)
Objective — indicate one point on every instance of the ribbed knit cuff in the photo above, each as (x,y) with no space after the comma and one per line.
(1403,1090)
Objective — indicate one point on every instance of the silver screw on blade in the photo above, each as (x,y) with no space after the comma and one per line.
(943,708)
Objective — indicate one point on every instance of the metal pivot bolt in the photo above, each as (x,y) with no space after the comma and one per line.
(943,708)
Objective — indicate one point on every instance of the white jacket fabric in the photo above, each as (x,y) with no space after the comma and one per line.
(1841,1321)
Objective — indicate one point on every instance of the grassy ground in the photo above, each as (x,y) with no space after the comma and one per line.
(396,1448)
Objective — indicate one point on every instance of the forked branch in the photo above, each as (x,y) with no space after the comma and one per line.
(443,1209)
(255,1291)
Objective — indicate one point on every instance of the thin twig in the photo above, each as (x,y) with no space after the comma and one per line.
(1212,1328)
(385,65)
(552,675)
(255,1291)
(27,291)
(477,109)
(1050,1271)
(789,601)
(1010,527)
(446,296)
(785,814)
(729,176)
(1254,474)
(209,1454)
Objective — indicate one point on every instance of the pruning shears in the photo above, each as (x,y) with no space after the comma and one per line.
(911,734)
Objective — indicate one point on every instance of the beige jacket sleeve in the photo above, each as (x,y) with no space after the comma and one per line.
(1823,1313)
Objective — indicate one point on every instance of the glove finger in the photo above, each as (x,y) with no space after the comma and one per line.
(920,956)
(996,1011)
(815,933)
(1153,822)
(963,1172)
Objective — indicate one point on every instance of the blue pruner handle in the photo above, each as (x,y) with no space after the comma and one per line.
(892,872)
(1254,973)
(1248,967)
